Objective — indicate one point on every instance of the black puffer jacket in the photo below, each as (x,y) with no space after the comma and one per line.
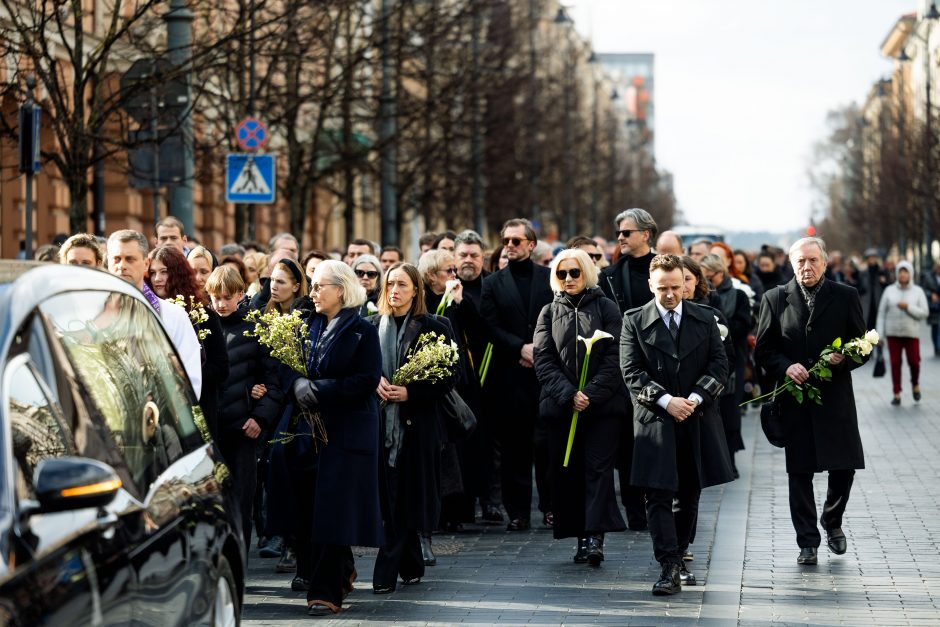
(559,355)
(249,364)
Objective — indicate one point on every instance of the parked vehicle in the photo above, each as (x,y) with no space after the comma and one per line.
(689,233)
(114,507)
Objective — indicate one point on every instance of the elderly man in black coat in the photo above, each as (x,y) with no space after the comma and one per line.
(675,367)
(797,321)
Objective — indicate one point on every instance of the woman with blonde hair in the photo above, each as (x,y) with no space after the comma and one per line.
(254,262)
(82,249)
(288,287)
(584,501)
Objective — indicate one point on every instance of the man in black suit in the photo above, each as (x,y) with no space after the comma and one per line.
(510,303)
(626,282)
(675,366)
(797,321)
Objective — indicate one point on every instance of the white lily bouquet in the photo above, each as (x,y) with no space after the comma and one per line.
(197,314)
(853,349)
(287,338)
(589,345)
(431,359)
(448,296)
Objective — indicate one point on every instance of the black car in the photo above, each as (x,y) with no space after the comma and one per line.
(114,506)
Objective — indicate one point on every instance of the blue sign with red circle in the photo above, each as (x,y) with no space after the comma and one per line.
(251,134)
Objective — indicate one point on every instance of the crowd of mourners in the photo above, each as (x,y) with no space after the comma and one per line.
(576,360)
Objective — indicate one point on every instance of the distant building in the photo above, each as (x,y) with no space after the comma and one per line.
(633,75)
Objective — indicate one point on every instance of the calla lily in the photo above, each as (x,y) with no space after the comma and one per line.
(589,341)
(371,307)
(722,329)
(448,296)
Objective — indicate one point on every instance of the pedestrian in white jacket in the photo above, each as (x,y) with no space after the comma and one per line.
(901,315)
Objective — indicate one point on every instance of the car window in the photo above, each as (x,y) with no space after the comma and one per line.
(123,359)
(36,425)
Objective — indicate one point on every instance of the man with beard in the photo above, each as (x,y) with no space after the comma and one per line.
(797,321)
(510,303)
(627,284)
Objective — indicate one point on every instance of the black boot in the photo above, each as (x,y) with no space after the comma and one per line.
(668,581)
(581,556)
(426,553)
(595,549)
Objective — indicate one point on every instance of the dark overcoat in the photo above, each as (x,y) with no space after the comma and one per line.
(583,494)
(413,499)
(344,380)
(652,365)
(823,437)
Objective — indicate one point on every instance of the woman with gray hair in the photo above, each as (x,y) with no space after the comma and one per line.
(336,485)
(368,269)
(583,497)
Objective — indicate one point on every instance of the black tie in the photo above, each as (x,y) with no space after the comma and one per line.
(673,327)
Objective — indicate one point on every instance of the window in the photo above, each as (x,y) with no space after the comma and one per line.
(35,423)
(130,371)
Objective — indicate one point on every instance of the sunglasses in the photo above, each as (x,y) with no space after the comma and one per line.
(574,273)
(450,270)
(628,232)
(316,287)
(366,273)
(515,241)
(596,256)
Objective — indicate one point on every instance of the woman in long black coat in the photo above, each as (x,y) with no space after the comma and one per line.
(336,486)
(412,431)
(583,495)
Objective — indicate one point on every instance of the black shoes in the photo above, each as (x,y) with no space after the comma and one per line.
(426,553)
(686,577)
(836,541)
(491,513)
(299,584)
(669,582)
(807,556)
(518,524)
(896,400)
(548,520)
(687,556)
(595,550)
(581,556)
(272,548)
(411,581)
(383,589)
(917,394)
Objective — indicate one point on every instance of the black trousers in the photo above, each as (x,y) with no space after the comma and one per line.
(673,514)
(803,504)
(631,497)
(240,453)
(518,449)
(401,555)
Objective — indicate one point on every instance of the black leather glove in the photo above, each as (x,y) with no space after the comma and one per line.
(305,392)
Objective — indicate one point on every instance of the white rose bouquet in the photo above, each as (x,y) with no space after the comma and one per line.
(854,349)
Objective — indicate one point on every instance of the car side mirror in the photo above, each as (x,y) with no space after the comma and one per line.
(67,483)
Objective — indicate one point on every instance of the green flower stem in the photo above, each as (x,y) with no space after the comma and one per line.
(574,416)
(485,363)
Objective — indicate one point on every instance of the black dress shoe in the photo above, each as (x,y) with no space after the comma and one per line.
(491,513)
(836,540)
(687,556)
(383,589)
(686,577)
(411,581)
(595,550)
(807,556)
(669,582)
(426,553)
(581,556)
(518,524)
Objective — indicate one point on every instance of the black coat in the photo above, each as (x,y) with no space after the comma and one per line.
(652,366)
(583,494)
(511,325)
(416,496)
(250,363)
(343,381)
(824,437)
(215,368)
(632,293)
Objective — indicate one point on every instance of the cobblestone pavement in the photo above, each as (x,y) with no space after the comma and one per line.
(745,551)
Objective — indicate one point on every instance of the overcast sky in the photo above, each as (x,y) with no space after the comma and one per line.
(742,90)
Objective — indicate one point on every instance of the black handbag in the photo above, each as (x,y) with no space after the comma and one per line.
(774,425)
(458,417)
(879,365)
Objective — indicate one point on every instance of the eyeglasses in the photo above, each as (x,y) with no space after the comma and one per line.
(367,273)
(316,287)
(628,232)
(515,241)
(449,270)
(595,256)
(574,273)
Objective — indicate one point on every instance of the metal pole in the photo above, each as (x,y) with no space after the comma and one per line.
(596,179)
(28,243)
(534,165)
(567,169)
(179,39)
(155,147)
(928,138)
(387,131)
(478,191)
(251,97)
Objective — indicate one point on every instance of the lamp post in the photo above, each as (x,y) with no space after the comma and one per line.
(571,218)
(387,129)
(595,182)
(179,42)
(535,210)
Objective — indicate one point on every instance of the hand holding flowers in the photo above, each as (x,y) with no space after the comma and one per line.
(431,359)
(581,401)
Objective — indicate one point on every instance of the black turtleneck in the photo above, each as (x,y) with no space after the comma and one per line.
(521,272)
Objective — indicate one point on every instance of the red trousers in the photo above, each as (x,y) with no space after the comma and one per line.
(911,346)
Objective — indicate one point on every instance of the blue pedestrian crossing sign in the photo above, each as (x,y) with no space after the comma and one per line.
(250,178)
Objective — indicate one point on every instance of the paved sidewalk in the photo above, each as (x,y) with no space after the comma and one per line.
(745,551)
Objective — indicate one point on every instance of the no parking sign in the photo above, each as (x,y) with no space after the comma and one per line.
(251,134)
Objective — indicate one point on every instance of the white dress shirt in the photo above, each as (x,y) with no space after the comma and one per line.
(664,314)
